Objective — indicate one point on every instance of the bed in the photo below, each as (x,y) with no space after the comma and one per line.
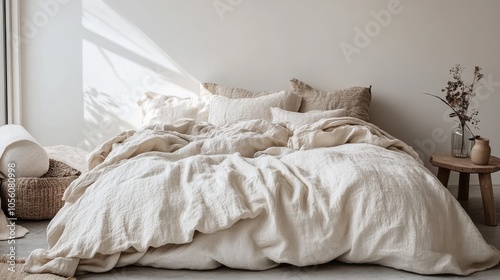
(251,180)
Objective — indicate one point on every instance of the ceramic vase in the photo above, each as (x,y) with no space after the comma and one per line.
(481,151)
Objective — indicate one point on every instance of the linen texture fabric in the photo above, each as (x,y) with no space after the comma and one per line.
(294,120)
(356,100)
(224,110)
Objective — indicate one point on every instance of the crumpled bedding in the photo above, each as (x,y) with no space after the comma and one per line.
(251,195)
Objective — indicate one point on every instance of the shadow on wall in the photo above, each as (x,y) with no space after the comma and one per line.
(120,63)
(101,118)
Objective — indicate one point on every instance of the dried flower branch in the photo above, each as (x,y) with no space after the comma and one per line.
(459,95)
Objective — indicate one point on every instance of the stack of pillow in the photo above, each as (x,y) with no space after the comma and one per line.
(221,105)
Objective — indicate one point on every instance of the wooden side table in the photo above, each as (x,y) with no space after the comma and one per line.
(446,163)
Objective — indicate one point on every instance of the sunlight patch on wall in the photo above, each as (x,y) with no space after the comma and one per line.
(100,19)
(120,63)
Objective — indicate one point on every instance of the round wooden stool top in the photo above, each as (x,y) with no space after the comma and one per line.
(446,160)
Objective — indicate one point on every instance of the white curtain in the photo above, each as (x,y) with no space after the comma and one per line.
(3,92)
(10,80)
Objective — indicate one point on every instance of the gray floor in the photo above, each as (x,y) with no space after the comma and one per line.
(333,270)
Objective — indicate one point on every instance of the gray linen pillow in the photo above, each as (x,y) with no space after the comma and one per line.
(356,100)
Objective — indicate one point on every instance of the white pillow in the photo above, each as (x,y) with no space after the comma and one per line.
(294,120)
(225,110)
(159,108)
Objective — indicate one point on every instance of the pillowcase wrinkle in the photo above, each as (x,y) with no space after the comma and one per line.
(158,108)
(210,89)
(294,120)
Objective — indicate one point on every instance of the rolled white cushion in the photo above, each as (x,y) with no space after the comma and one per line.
(19,147)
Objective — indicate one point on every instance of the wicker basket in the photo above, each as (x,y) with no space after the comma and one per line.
(40,198)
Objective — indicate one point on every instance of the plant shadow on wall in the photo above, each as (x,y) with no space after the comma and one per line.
(100,119)
(120,63)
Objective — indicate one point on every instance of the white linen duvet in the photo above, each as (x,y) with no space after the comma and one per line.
(251,196)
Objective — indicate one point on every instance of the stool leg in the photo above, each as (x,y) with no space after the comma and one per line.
(443,176)
(463,186)
(490,214)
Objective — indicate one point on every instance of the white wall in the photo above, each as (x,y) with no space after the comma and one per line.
(84,69)
(51,71)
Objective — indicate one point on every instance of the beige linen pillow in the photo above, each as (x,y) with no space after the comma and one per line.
(356,100)
(294,120)
(224,110)
(159,108)
(209,89)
